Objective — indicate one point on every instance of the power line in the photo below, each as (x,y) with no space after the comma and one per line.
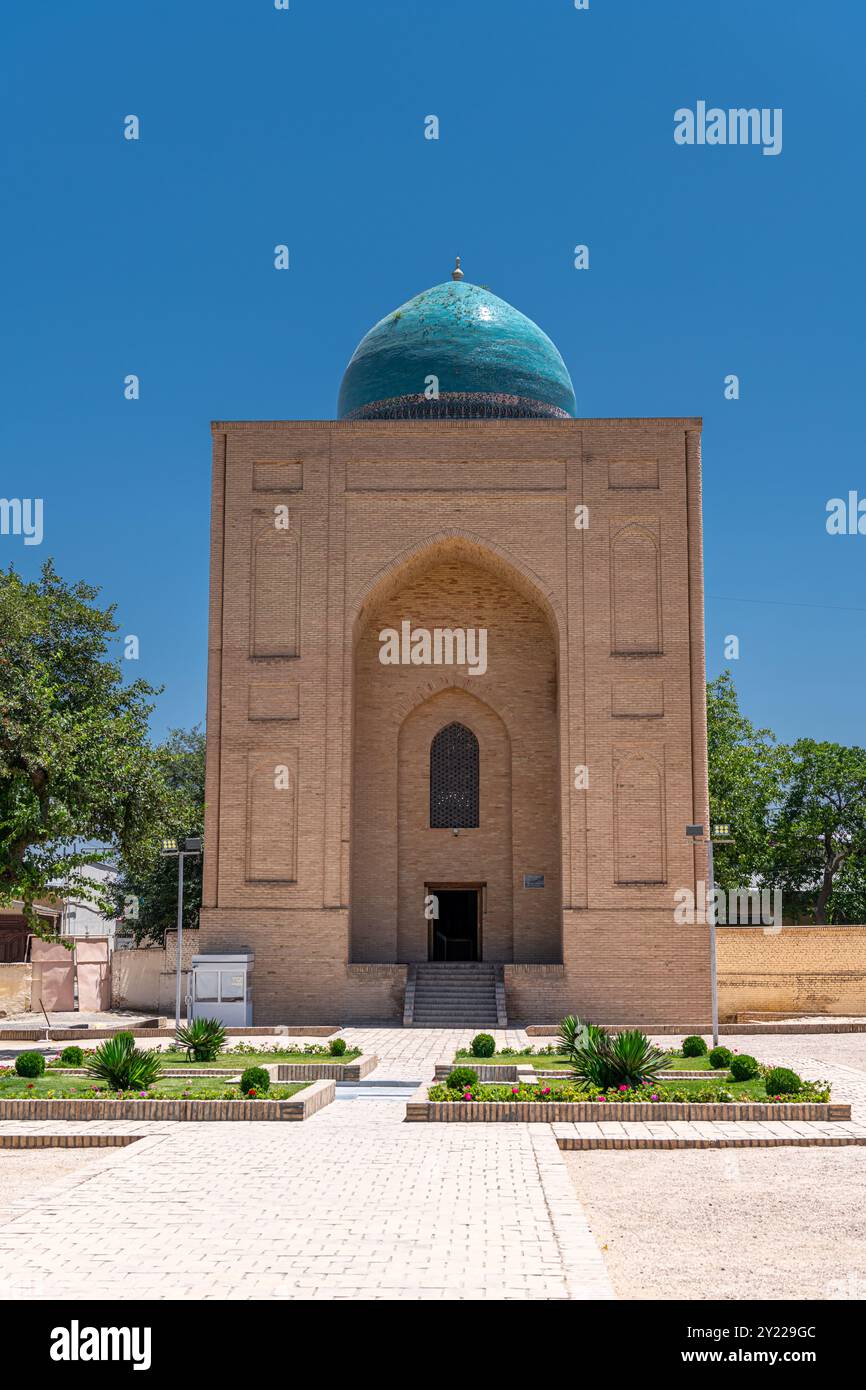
(783,603)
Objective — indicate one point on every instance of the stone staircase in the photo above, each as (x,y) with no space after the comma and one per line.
(455,995)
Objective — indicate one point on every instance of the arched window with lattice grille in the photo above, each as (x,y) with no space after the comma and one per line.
(454,779)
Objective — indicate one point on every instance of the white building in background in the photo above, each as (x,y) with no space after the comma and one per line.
(82,918)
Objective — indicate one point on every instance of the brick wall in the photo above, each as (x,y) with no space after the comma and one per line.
(806,970)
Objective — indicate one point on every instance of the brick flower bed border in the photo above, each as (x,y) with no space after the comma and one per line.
(355,1070)
(496,1072)
(68,1141)
(300,1107)
(333,1071)
(419,1108)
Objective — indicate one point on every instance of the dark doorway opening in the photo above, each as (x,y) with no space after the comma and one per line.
(454,934)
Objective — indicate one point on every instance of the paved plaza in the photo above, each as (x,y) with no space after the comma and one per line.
(353,1203)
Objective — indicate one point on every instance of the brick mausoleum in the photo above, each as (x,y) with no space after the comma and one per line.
(456,704)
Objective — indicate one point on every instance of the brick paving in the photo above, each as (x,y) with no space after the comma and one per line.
(354,1203)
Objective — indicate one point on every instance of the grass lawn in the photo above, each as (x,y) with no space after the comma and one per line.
(241,1060)
(15,1087)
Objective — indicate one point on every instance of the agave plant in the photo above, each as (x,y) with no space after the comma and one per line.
(574,1035)
(203,1039)
(636,1059)
(626,1059)
(119,1062)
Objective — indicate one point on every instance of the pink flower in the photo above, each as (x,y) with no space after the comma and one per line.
(545,1091)
(654,1097)
(601,1097)
(467,1095)
(623,1088)
(514,1091)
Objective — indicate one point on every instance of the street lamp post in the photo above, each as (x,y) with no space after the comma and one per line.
(171,849)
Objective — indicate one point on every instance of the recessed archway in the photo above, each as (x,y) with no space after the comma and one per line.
(405,689)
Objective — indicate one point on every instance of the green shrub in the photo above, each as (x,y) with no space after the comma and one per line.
(598,1059)
(123,1066)
(720,1057)
(781,1081)
(203,1039)
(462,1079)
(30,1064)
(694,1047)
(337,1047)
(255,1079)
(72,1056)
(743,1067)
(482,1045)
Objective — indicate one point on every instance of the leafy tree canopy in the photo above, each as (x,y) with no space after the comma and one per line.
(747,770)
(75,761)
(797,813)
(146,890)
(819,831)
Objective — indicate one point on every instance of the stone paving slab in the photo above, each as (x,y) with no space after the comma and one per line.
(355,1204)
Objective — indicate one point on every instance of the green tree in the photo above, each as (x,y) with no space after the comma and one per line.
(146,889)
(75,761)
(819,830)
(747,770)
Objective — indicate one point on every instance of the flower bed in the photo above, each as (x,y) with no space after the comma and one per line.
(693,1093)
(297,1102)
(234,1059)
(570,1101)
(68,1087)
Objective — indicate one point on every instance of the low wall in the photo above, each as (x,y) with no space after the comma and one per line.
(135,979)
(323,1070)
(799,970)
(16,979)
(144,977)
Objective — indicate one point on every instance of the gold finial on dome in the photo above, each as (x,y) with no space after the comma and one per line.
(457,273)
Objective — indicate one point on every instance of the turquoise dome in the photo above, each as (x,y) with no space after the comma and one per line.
(490,362)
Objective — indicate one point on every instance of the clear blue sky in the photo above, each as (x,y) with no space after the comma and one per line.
(306,127)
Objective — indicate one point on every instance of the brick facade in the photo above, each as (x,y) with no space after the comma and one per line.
(318,849)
